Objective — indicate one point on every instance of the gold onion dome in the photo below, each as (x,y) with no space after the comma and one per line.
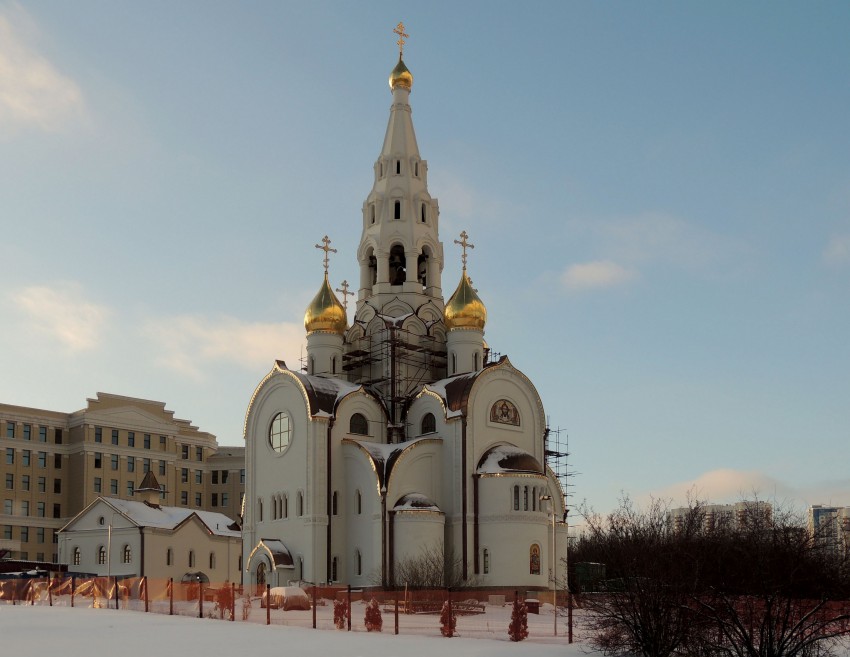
(401,77)
(325,312)
(465,309)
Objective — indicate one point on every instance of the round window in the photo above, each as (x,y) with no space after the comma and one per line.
(280,432)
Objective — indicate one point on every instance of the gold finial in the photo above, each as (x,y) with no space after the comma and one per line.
(327,249)
(343,290)
(399,29)
(464,245)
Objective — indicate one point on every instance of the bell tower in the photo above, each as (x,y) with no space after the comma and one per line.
(400,254)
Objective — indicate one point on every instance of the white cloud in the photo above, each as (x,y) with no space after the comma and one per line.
(63,313)
(725,485)
(187,344)
(595,275)
(32,92)
(837,251)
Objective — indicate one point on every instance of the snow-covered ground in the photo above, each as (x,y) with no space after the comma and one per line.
(40,630)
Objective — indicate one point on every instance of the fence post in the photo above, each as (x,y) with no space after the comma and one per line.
(349,608)
(73,588)
(170,596)
(451,629)
(147,598)
(268,604)
(314,606)
(232,601)
(396,610)
(200,599)
(569,617)
(50,590)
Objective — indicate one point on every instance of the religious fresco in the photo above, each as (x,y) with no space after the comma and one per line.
(504,412)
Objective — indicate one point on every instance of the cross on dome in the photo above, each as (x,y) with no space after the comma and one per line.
(399,29)
(327,249)
(343,290)
(464,244)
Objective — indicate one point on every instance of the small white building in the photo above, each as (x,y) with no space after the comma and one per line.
(126,538)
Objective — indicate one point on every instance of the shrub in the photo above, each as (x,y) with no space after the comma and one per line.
(340,613)
(448,620)
(373,619)
(518,628)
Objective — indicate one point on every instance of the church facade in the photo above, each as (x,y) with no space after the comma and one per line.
(401,436)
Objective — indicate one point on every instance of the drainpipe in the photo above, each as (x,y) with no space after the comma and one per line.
(463,496)
(391,578)
(384,537)
(142,552)
(329,496)
(475,479)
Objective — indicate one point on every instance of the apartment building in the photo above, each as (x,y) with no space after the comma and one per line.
(54,464)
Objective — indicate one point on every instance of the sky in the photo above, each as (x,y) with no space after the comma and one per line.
(658,194)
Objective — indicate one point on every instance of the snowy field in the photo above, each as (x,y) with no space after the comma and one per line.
(78,632)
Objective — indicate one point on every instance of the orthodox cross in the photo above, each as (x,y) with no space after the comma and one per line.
(399,29)
(464,245)
(343,290)
(327,249)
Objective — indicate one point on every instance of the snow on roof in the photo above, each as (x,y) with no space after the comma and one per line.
(279,552)
(415,502)
(507,458)
(169,517)
(324,393)
(384,455)
(454,392)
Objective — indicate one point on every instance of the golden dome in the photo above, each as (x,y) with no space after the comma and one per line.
(401,77)
(325,312)
(465,309)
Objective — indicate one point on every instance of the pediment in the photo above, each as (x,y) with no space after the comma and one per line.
(131,417)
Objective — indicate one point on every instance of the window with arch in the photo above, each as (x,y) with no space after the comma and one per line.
(333,364)
(127,554)
(280,432)
(516,498)
(212,560)
(358,425)
(398,265)
(485,561)
(534,559)
(372,212)
(416,169)
(525,498)
(424,214)
(169,557)
(397,210)
(260,509)
(534,498)
(77,556)
(429,423)
(454,363)
(101,555)
(358,502)
(299,504)
(286,506)
(422,269)
(358,563)
(239,563)
(191,558)
(312,365)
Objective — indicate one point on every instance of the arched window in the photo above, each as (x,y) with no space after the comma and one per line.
(358,425)
(299,504)
(416,169)
(260,509)
(312,365)
(534,559)
(101,555)
(333,364)
(77,556)
(191,558)
(286,506)
(127,554)
(239,563)
(485,560)
(422,269)
(475,362)
(429,423)
(424,214)
(358,563)
(398,265)
(373,212)
(169,557)
(525,498)
(358,502)
(397,210)
(534,498)
(212,560)
(516,498)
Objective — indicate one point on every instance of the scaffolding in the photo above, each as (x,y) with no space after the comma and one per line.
(556,449)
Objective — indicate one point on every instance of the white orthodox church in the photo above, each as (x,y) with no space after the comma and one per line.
(401,434)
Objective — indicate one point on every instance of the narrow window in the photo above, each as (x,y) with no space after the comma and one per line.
(334,564)
(525,498)
(286,506)
(169,557)
(516,498)
(454,363)
(191,558)
(373,212)
(334,504)
(76,556)
(358,563)
(212,560)
(299,508)
(333,364)
(486,560)
(534,560)
(358,502)
(534,498)
(423,213)
(416,169)
(398,171)
(128,554)
(260,509)
(475,362)
(101,555)
(397,210)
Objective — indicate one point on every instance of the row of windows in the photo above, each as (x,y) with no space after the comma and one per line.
(39,556)
(396,164)
(131,438)
(41,485)
(26,433)
(127,557)
(40,534)
(529,496)
(423,211)
(184,453)
(25,507)
(26,458)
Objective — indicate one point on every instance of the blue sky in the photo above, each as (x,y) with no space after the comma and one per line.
(658,192)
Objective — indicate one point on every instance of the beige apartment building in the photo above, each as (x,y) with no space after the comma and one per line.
(53,464)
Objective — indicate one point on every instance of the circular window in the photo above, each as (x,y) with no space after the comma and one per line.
(280,432)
